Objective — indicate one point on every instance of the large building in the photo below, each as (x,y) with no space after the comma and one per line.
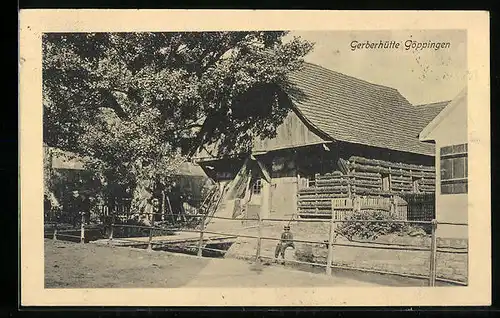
(448,131)
(339,124)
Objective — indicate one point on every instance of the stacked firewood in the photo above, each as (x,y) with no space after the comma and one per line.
(402,176)
(365,177)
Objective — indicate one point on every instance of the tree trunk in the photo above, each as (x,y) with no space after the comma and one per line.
(142,195)
(47,170)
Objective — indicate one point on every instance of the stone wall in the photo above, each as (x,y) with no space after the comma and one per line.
(452,263)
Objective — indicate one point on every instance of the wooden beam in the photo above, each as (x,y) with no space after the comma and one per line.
(264,170)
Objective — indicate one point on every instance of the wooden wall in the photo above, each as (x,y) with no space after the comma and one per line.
(222,169)
(347,150)
(291,133)
(285,165)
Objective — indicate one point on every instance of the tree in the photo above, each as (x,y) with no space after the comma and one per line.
(139,104)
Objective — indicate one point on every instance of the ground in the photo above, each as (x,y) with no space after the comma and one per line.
(74,265)
(102,266)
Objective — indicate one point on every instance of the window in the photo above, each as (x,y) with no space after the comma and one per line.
(454,169)
(385,183)
(257,186)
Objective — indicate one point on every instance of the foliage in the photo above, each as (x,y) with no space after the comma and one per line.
(194,189)
(139,104)
(304,253)
(369,230)
(418,230)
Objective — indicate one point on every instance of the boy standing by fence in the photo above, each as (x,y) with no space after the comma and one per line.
(285,242)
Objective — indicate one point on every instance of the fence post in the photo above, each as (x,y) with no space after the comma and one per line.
(82,229)
(356,204)
(150,248)
(432,269)
(163,207)
(396,207)
(110,241)
(329,258)
(200,242)
(54,236)
(259,239)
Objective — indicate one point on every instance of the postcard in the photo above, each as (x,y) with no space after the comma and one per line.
(254,158)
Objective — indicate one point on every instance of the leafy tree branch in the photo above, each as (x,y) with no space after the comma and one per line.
(139,104)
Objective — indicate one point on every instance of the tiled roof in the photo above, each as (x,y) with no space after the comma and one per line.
(430,111)
(356,111)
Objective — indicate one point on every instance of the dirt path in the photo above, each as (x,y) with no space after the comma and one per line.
(72,265)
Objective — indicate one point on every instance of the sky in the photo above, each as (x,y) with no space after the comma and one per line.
(421,76)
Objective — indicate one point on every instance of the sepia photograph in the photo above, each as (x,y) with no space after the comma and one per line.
(255,159)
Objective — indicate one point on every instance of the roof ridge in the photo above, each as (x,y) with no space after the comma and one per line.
(433,103)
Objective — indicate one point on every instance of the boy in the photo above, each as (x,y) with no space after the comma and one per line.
(285,242)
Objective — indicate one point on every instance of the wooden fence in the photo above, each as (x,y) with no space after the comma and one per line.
(421,206)
(346,206)
(337,206)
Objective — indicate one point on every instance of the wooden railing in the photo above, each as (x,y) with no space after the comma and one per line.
(348,205)
(336,219)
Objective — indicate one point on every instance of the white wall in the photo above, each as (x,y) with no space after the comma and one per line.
(451,207)
(265,196)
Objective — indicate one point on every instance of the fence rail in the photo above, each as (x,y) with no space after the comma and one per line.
(334,220)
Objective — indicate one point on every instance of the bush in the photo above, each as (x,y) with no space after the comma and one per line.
(304,253)
(369,230)
(416,231)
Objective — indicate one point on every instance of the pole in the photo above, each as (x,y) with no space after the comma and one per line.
(200,242)
(54,237)
(126,208)
(163,205)
(432,269)
(170,212)
(150,248)
(263,213)
(110,241)
(329,259)
(259,240)
(82,229)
